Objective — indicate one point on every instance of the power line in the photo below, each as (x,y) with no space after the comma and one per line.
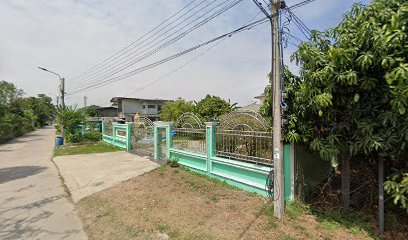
(144,68)
(144,35)
(154,48)
(185,64)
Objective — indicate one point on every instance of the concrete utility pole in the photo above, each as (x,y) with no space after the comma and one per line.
(85,98)
(278,202)
(62,88)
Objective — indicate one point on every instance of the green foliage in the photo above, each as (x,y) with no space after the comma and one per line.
(397,186)
(352,100)
(208,108)
(172,110)
(19,115)
(88,148)
(70,118)
(93,136)
(355,89)
(91,111)
(211,107)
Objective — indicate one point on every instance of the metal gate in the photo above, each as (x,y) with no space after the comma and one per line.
(143,136)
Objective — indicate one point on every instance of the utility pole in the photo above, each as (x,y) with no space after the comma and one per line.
(85,98)
(278,201)
(62,88)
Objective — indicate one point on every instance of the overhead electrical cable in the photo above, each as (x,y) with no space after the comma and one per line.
(144,68)
(140,38)
(183,65)
(124,63)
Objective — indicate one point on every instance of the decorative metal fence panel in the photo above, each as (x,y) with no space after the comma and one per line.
(143,135)
(108,128)
(190,139)
(249,146)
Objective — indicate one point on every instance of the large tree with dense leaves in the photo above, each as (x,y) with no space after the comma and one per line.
(172,110)
(352,101)
(211,107)
(19,114)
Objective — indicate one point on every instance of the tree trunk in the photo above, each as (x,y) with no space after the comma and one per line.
(345,181)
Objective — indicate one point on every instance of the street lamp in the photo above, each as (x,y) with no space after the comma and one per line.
(62,92)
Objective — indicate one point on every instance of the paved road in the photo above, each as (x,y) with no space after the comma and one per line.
(33,204)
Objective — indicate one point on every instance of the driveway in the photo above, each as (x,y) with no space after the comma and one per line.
(33,204)
(86,174)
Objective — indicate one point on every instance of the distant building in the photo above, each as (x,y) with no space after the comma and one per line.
(127,108)
(254,106)
(261,98)
(108,111)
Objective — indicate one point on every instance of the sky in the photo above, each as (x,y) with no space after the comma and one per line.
(72,36)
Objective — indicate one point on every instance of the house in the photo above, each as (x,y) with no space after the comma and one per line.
(261,98)
(254,106)
(108,111)
(129,107)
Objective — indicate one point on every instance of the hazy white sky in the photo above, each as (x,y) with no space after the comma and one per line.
(71,36)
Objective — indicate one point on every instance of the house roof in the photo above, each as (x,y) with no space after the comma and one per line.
(111,107)
(115,99)
(260,96)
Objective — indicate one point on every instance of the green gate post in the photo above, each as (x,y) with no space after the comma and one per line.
(129,137)
(211,143)
(103,128)
(156,142)
(288,156)
(113,133)
(169,139)
(158,138)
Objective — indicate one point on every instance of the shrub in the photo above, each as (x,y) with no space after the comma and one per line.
(93,136)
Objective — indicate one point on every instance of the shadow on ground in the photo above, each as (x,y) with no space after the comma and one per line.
(13,173)
(22,223)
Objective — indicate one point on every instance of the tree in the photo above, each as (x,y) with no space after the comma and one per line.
(211,107)
(172,110)
(352,102)
(9,92)
(19,114)
(91,111)
(70,118)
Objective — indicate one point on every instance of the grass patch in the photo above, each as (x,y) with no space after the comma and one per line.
(86,148)
(196,178)
(295,209)
(285,236)
(267,210)
(353,222)
(162,204)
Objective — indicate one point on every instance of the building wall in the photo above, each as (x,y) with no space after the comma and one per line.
(132,106)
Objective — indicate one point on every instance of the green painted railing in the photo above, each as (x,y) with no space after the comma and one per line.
(248,176)
(121,135)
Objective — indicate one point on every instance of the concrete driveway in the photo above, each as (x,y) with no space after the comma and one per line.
(86,174)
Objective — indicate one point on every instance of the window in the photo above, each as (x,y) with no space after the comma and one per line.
(159,107)
(151,106)
(144,106)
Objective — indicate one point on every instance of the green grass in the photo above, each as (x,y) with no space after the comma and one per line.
(267,210)
(87,148)
(353,222)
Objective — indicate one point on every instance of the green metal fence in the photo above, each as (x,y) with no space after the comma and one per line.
(247,169)
(117,134)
